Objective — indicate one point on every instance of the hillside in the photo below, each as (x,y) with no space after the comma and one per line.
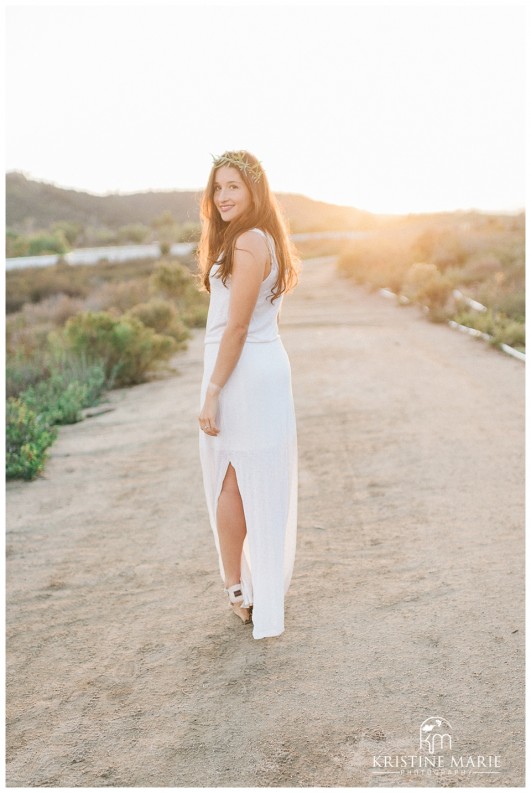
(32,205)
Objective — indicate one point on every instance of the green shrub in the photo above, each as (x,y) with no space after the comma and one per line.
(502,299)
(485,321)
(32,284)
(171,280)
(195,314)
(174,282)
(426,285)
(61,397)
(29,357)
(60,389)
(133,232)
(24,339)
(27,334)
(71,230)
(426,257)
(189,232)
(479,267)
(57,406)
(511,333)
(120,295)
(24,369)
(101,236)
(28,436)
(498,325)
(128,348)
(15,245)
(162,316)
(443,245)
(46,242)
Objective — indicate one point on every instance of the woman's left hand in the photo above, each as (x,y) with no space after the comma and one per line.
(207,417)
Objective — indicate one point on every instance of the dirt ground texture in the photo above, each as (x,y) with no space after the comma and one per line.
(126,666)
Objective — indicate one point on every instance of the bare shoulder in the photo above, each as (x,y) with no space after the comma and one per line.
(253,243)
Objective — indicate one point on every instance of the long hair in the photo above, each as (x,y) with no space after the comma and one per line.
(219,237)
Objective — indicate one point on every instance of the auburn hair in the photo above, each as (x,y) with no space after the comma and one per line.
(218,238)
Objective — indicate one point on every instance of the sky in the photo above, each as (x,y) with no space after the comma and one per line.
(388,108)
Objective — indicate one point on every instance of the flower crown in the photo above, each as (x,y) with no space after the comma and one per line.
(254,172)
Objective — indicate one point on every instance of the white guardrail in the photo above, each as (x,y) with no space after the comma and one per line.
(122,253)
(473,304)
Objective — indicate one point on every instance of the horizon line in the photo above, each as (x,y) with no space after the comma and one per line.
(27,175)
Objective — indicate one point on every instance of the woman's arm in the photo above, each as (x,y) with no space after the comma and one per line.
(250,257)
(247,273)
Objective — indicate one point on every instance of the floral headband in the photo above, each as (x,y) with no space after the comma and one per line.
(237,159)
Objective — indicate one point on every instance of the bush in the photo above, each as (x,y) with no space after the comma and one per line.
(511,333)
(46,242)
(485,321)
(498,325)
(71,230)
(95,236)
(195,315)
(23,370)
(42,242)
(426,258)
(128,348)
(24,339)
(479,267)
(28,436)
(162,316)
(61,397)
(60,389)
(29,356)
(189,232)
(174,282)
(33,284)
(59,405)
(120,296)
(136,233)
(447,242)
(426,285)
(503,300)
(55,309)
(171,280)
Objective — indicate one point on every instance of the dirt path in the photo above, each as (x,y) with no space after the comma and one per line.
(126,667)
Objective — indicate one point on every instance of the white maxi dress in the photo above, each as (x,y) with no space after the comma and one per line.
(258,435)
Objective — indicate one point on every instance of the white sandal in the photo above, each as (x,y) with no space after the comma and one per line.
(235,598)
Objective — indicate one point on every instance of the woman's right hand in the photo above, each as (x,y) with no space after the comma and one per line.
(207,417)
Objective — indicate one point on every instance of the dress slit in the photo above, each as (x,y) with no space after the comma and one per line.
(245,565)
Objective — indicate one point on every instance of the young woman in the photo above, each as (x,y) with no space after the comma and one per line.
(247,426)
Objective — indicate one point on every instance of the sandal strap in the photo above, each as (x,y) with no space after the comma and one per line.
(235,593)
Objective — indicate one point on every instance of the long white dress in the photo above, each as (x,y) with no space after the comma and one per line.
(258,435)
